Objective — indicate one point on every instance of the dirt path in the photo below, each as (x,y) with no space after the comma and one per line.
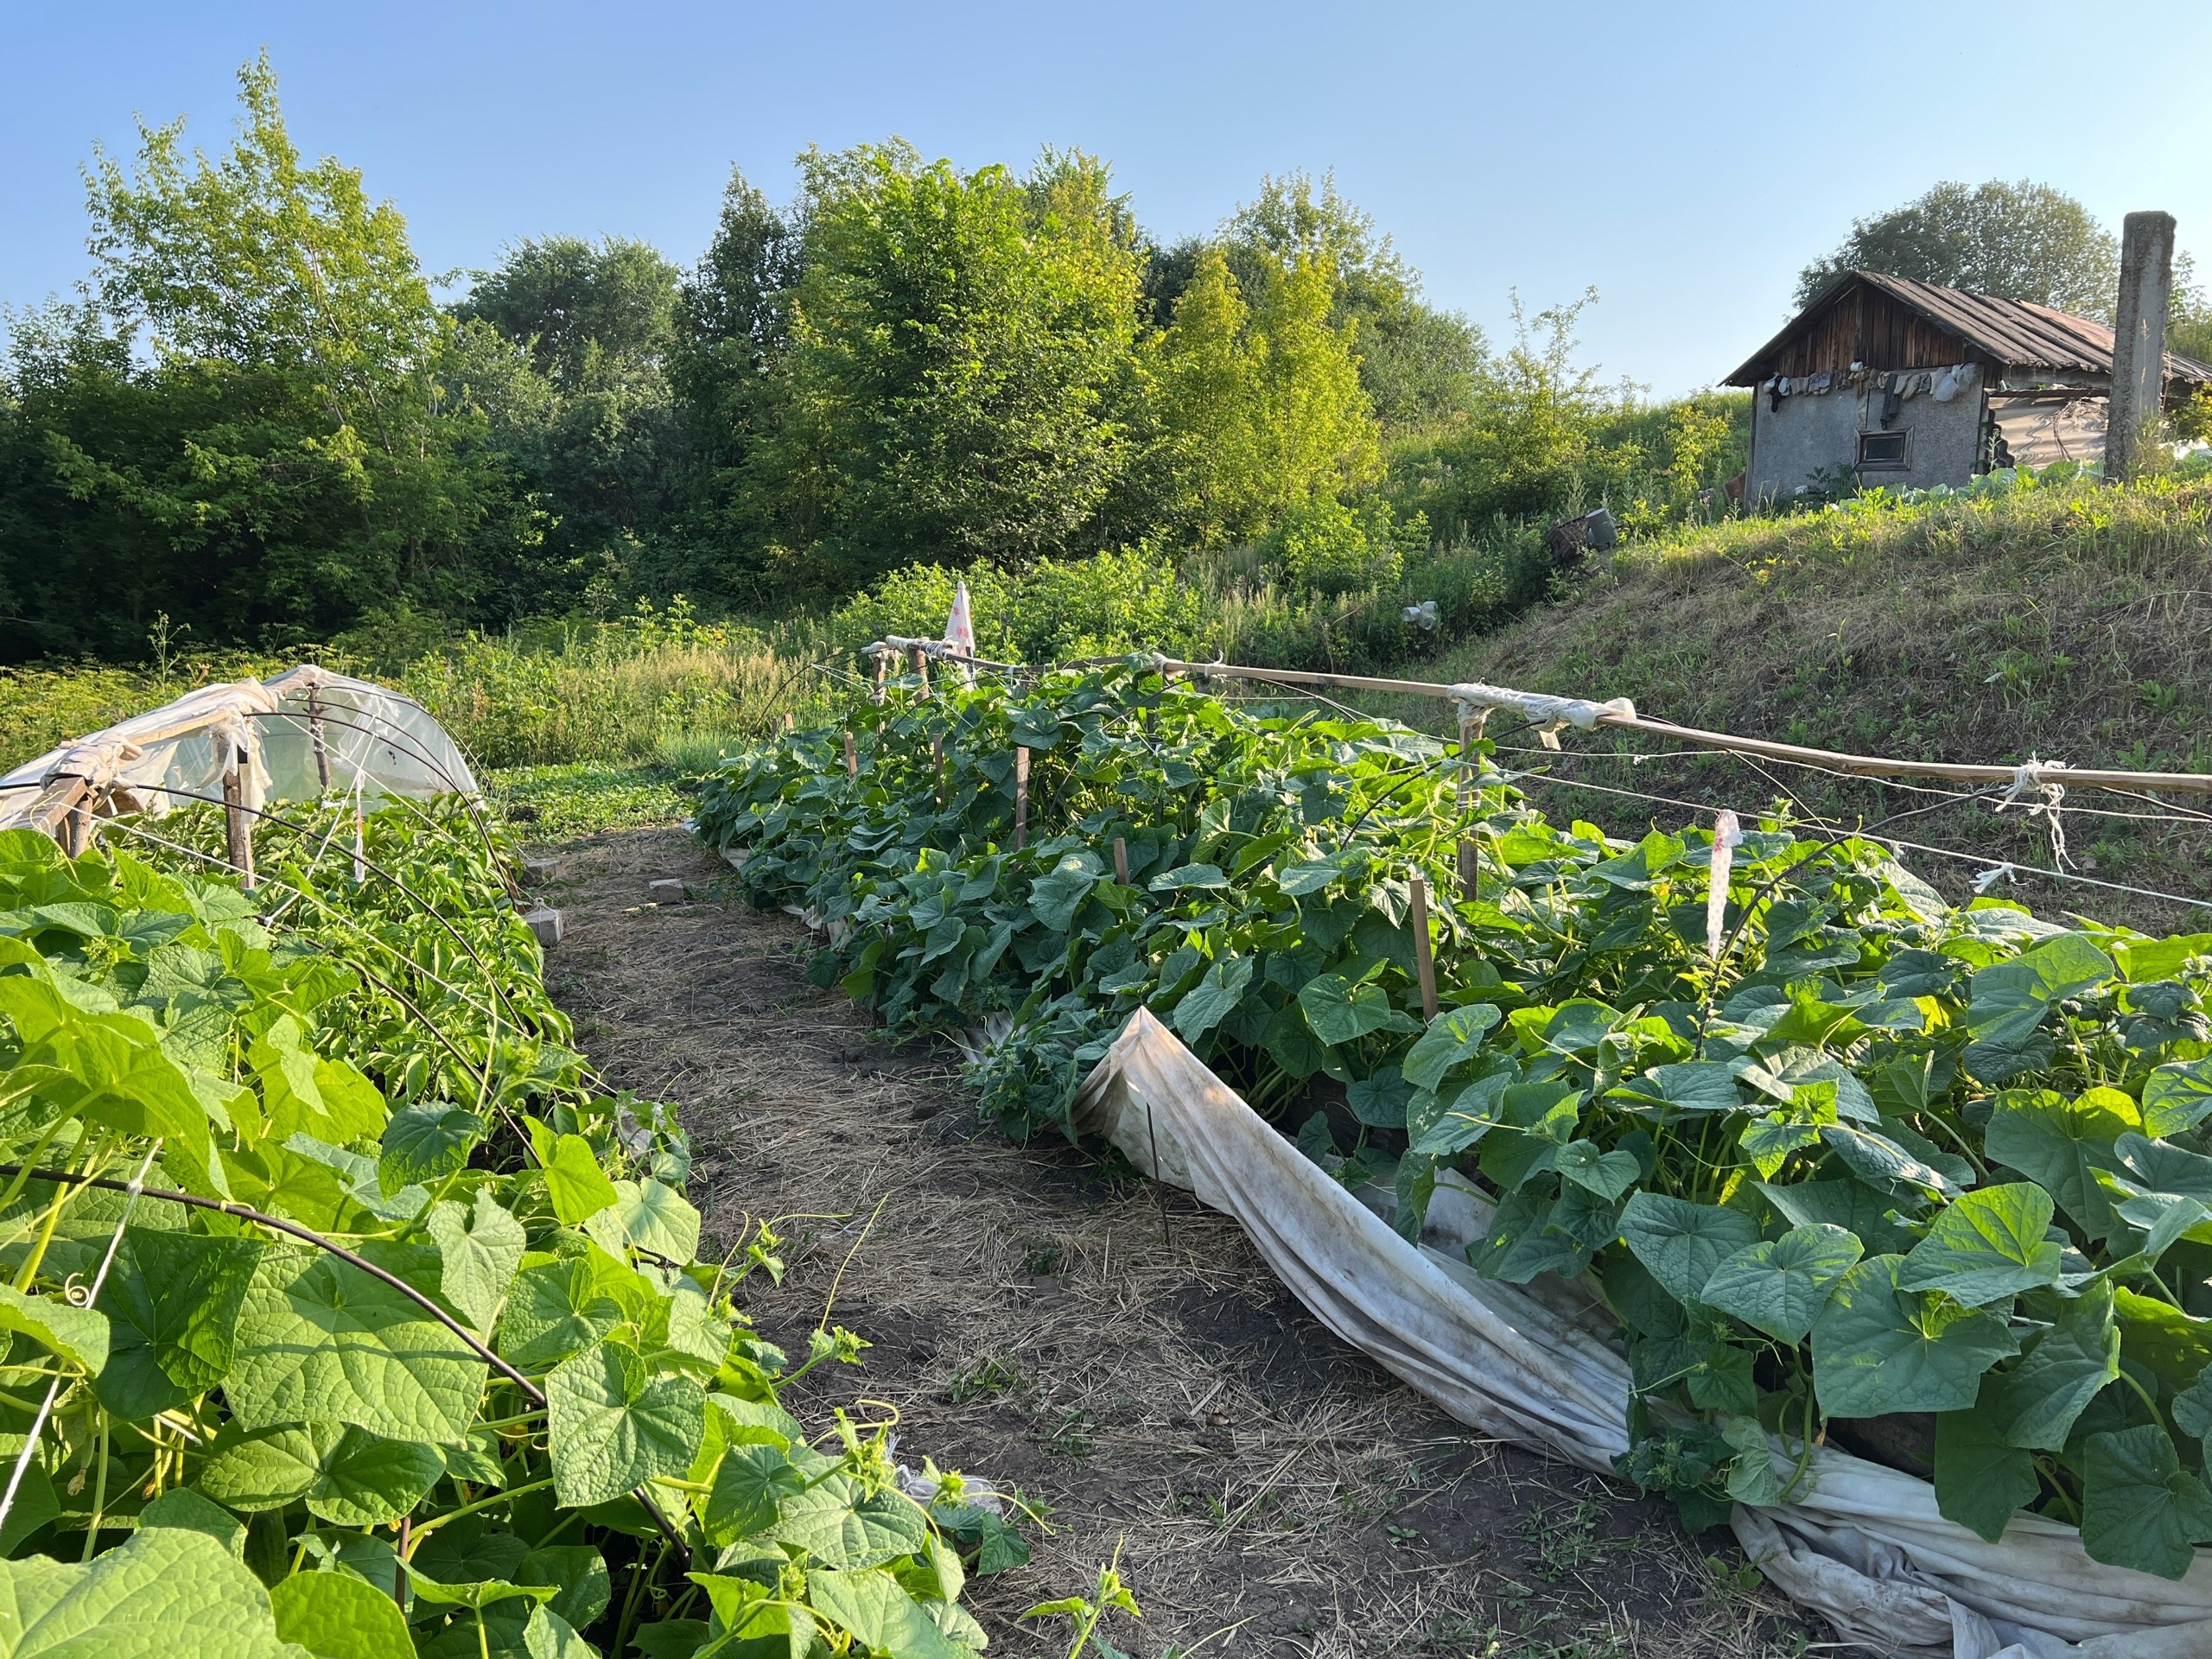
(1119,1355)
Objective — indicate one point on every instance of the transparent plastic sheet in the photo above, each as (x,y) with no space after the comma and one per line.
(1864,1545)
(374,737)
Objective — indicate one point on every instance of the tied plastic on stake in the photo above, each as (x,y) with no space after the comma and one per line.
(1727,835)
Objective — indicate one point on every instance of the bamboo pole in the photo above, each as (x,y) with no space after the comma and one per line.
(2192,783)
(1424,954)
(851,758)
(937,757)
(1121,860)
(1020,797)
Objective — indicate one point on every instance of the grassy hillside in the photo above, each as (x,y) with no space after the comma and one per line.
(2066,621)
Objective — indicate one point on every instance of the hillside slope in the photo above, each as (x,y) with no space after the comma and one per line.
(2065,622)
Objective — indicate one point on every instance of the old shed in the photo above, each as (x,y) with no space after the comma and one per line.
(1906,384)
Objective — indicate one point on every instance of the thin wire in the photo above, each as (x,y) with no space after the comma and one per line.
(53,1388)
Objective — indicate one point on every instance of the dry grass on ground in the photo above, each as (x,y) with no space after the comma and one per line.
(1120,1355)
(2069,623)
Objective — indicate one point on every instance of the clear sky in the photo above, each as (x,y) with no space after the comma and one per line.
(1684,159)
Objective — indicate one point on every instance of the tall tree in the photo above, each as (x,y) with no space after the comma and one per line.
(241,422)
(955,340)
(2022,241)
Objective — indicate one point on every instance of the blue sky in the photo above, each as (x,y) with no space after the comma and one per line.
(1685,160)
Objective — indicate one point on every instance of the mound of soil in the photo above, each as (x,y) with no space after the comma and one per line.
(1121,1356)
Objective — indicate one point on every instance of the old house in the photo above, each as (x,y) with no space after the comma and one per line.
(1906,384)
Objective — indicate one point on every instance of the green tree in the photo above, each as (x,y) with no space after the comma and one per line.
(1418,364)
(241,422)
(955,341)
(2021,241)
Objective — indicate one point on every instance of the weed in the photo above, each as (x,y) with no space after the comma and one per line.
(992,1376)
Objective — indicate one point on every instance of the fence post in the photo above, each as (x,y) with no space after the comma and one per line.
(879,664)
(1020,797)
(852,756)
(77,827)
(317,736)
(919,659)
(1424,958)
(1471,731)
(1121,860)
(238,822)
(937,757)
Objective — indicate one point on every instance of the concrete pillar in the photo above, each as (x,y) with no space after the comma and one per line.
(2139,354)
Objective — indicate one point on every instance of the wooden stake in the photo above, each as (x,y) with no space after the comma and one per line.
(879,666)
(238,822)
(1470,874)
(77,828)
(791,723)
(1424,959)
(321,744)
(1471,731)
(1121,860)
(851,758)
(919,660)
(936,755)
(1020,798)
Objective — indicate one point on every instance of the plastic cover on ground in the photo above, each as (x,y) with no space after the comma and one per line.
(374,739)
(1863,1545)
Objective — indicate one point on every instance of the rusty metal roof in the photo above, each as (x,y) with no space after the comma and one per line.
(2017,333)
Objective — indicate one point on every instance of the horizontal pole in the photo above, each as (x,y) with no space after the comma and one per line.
(2188,783)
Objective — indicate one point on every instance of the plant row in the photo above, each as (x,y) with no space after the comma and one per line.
(1853,1159)
(349,1313)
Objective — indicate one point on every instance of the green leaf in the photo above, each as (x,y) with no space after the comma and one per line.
(479,1251)
(1880,1162)
(305,1093)
(1055,896)
(2139,1508)
(167,1592)
(2069,1366)
(1851,1205)
(1608,1174)
(1980,1481)
(2012,998)
(173,1302)
(1780,1286)
(1690,1086)
(2157,1334)
(426,1142)
(614,1424)
(748,1491)
(556,1309)
(580,1571)
(1474,1112)
(1213,999)
(884,1616)
(1681,1244)
(1752,1477)
(1380,1101)
(1453,1037)
(1206,876)
(1877,1348)
(337,1616)
(2176,1097)
(319,1338)
(1340,1012)
(1988,1245)
(181,1506)
(347,1476)
(839,1528)
(573,1180)
(2061,1144)
(657,1219)
(36,1503)
(80,1335)
(1299,879)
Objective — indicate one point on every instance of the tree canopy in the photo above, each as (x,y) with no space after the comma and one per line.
(2021,241)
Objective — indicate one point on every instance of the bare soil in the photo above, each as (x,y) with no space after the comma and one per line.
(1043,1320)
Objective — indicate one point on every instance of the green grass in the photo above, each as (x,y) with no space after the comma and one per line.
(2068,621)
(551,805)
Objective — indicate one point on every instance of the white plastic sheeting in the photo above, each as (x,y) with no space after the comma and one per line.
(372,739)
(1536,1363)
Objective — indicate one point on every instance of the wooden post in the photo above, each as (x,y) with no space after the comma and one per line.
(879,665)
(1121,860)
(1471,731)
(2139,349)
(791,723)
(1020,797)
(317,736)
(919,660)
(238,822)
(1424,958)
(937,758)
(851,758)
(77,827)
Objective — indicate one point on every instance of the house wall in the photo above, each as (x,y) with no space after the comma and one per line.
(1814,432)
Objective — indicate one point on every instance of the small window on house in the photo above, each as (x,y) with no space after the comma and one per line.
(1882,452)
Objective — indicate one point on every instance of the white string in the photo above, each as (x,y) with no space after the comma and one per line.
(2032,777)
(53,1388)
